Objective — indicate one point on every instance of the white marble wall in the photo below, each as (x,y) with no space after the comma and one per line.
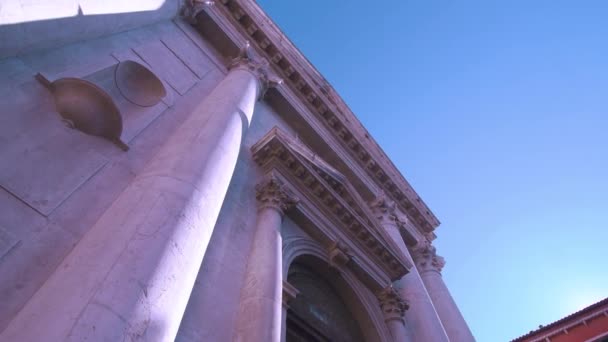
(55,182)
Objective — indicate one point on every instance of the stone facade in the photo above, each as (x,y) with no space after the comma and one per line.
(165,167)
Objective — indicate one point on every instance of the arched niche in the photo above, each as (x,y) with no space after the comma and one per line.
(303,253)
(138,84)
(86,107)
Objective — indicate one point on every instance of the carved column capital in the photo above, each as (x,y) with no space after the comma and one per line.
(272,193)
(258,66)
(391,303)
(386,211)
(426,258)
(384,208)
(192,8)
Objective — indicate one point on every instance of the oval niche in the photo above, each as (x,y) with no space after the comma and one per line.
(88,108)
(138,84)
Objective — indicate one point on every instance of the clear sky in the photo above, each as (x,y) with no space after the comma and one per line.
(497,114)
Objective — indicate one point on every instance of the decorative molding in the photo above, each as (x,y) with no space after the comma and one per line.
(258,66)
(316,93)
(391,303)
(271,193)
(427,259)
(339,254)
(274,152)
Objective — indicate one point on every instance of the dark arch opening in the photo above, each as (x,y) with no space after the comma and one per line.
(326,308)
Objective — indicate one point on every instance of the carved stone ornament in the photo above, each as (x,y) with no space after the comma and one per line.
(427,259)
(258,66)
(386,210)
(383,208)
(391,303)
(272,193)
(339,254)
(192,8)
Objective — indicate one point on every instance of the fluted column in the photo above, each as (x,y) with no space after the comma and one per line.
(394,308)
(429,265)
(260,311)
(131,275)
(422,321)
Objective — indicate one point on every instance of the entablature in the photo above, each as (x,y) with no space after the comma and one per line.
(323,187)
(247,20)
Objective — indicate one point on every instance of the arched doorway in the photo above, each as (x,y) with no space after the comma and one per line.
(326,307)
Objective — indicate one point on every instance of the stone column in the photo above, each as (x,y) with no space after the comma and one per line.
(289,293)
(422,321)
(260,312)
(394,308)
(131,275)
(429,265)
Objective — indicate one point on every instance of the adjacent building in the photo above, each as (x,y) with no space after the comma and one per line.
(179,171)
(587,325)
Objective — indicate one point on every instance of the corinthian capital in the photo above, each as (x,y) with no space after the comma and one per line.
(257,65)
(386,210)
(391,303)
(383,208)
(272,193)
(426,258)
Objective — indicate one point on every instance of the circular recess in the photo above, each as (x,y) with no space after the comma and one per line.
(138,84)
(87,108)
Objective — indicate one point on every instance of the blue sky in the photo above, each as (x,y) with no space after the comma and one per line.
(497,114)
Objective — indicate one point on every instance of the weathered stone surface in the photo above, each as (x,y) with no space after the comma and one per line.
(97,243)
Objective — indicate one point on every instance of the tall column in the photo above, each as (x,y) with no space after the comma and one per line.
(260,312)
(130,276)
(422,321)
(429,265)
(394,308)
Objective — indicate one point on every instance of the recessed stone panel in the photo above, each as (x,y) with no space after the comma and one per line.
(7,242)
(47,161)
(171,68)
(189,54)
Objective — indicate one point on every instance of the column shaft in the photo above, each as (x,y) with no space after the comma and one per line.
(131,275)
(397,329)
(421,319)
(260,311)
(430,266)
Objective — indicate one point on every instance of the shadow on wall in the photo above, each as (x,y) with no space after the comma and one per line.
(27,26)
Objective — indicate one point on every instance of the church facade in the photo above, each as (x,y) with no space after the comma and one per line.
(182,172)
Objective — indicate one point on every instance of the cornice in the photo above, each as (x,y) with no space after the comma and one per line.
(318,95)
(273,152)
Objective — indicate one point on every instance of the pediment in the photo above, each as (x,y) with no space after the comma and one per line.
(333,191)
